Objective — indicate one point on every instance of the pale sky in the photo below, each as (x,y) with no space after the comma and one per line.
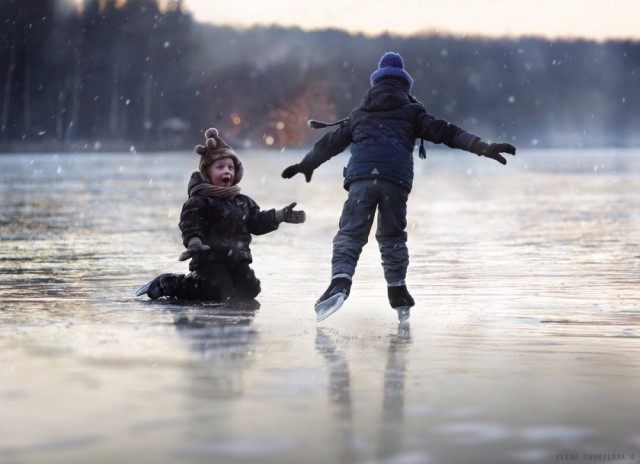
(594,19)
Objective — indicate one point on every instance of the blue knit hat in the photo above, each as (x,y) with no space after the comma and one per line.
(391,65)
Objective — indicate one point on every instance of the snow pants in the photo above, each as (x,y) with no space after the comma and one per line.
(217,282)
(390,201)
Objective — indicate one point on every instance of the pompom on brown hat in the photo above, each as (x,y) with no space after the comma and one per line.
(216,148)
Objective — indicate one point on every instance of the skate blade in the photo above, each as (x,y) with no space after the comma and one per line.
(329,306)
(403,313)
(144,289)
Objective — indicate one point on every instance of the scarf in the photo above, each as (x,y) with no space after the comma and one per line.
(208,190)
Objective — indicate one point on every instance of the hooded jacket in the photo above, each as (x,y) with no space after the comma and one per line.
(225,225)
(382,133)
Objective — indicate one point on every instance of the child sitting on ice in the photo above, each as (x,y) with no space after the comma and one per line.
(217,222)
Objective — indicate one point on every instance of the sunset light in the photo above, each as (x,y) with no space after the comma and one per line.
(593,19)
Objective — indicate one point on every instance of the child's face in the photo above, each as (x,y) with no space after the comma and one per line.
(222,172)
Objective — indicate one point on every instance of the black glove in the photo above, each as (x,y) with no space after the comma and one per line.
(291,171)
(493,150)
(287,214)
(195,246)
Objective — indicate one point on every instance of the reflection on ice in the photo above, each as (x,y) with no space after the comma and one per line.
(223,338)
(389,446)
(339,392)
(390,441)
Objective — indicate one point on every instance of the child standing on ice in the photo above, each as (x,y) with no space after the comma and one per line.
(217,222)
(382,133)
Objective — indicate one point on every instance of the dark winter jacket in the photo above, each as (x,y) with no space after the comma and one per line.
(225,225)
(382,133)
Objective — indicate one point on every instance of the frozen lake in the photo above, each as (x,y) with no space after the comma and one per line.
(523,345)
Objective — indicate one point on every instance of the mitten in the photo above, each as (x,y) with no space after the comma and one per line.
(287,214)
(195,246)
(292,170)
(493,150)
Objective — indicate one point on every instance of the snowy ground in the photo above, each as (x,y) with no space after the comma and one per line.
(523,345)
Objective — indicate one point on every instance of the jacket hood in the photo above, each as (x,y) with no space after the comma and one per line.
(196,179)
(385,95)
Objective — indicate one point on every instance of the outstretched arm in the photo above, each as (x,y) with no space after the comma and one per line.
(440,131)
(331,144)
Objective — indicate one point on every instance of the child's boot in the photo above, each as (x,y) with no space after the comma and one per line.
(163,285)
(332,298)
(401,301)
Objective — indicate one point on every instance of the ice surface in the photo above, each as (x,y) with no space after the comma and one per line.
(523,342)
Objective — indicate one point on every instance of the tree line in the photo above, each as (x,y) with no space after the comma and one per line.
(138,74)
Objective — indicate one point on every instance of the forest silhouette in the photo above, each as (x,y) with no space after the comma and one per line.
(130,75)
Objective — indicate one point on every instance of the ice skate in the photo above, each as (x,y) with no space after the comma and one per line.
(333,298)
(401,301)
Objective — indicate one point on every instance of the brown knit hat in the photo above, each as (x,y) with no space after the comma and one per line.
(214,149)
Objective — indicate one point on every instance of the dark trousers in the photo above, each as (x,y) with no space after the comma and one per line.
(218,282)
(366,197)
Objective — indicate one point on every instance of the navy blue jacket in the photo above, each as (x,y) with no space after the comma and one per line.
(382,133)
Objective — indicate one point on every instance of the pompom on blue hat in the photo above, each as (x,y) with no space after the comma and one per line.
(391,66)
